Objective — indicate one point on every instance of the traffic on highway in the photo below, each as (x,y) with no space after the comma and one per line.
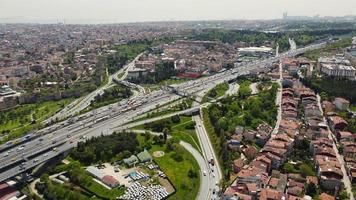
(20,155)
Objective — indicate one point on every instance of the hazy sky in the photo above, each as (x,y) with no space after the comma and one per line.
(95,11)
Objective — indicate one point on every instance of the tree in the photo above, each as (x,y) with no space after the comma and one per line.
(192,174)
(190,125)
(341,148)
(344,195)
(103,148)
(156,139)
(311,190)
(306,170)
(44,177)
(244,90)
(212,93)
(165,134)
(289,168)
(171,144)
(177,157)
(147,136)
(175,119)
(324,96)
(223,124)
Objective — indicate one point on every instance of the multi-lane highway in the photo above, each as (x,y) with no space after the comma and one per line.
(213,173)
(80,104)
(62,136)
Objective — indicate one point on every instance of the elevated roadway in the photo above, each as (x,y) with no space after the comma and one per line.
(19,158)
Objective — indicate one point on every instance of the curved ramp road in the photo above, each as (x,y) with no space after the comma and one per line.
(80,104)
(204,180)
(102,120)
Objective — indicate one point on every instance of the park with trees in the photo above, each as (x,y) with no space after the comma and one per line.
(242,109)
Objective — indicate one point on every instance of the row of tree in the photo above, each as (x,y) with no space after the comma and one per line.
(105,148)
(53,191)
(332,86)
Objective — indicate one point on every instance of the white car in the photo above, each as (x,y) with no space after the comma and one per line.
(20,148)
(204,173)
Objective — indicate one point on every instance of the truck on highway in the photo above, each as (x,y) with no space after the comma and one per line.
(102,119)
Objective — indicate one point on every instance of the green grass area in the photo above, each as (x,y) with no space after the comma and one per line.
(216,92)
(103,192)
(183,130)
(177,171)
(353,108)
(20,120)
(245,90)
(120,75)
(326,51)
(300,168)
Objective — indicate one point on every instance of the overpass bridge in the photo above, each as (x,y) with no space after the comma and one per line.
(104,120)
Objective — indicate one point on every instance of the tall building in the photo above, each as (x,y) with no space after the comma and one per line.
(285,15)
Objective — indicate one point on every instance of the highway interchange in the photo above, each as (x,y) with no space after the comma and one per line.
(80,104)
(60,137)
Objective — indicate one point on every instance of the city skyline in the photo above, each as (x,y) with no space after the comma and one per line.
(123,11)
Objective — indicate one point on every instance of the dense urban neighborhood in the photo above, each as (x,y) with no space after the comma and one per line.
(207,110)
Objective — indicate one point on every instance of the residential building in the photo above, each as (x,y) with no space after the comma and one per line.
(95,172)
(144,156)
(336,123)
(336,66)
(131,161)
(341,103)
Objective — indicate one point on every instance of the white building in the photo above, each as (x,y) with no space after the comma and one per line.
(334,60)
(336,66)
(338,70)
(5,90)
(95,172)
(136,73)
(256,51)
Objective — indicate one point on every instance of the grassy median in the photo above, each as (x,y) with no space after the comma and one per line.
(18,121)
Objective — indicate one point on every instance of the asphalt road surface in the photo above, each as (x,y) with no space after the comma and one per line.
(16,159)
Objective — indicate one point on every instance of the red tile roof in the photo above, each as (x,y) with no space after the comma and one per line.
(337,120)
(325,196)
(110,180)
(269,194)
